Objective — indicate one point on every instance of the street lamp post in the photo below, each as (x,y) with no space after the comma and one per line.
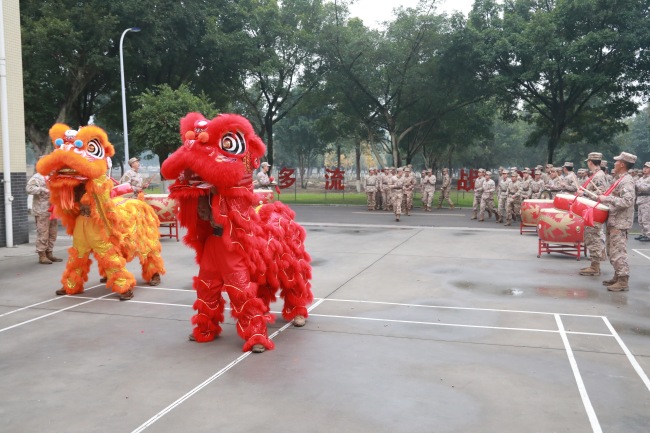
(126,132)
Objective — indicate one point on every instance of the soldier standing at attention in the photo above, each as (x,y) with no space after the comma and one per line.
(445,189)
(371,188)
(397,192)
(46,225)
(380,181)
(643,203)
(408,188)
(569,182)
(537,185)
(428,189)
(133,177)
(619,221)
(388,202)
(502,195)
(512,203)
(487,198)
(524,186)
(478,192)
(597,185)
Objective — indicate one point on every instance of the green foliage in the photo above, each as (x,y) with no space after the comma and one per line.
(565,66)
(156,121)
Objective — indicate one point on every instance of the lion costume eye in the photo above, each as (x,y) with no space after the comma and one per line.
(233,143)
(95,149)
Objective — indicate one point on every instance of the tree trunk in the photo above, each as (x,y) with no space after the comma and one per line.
(268,127)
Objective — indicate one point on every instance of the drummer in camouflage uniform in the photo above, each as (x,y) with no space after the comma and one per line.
(536,185)
(619,221)
(597,185)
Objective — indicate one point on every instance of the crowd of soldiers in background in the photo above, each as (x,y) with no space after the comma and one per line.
(392,189)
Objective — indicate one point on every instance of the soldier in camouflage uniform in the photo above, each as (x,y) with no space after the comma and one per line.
(536,186)
(371,188)
(619,221)
(592,235)
(445,189)
(487,198)
(643,203)
(408,188)
(46,227)
(513,201)
(428,189)
(397,192)
(380,179)
(502,195)
(478,192)
(525,191)
(569,180)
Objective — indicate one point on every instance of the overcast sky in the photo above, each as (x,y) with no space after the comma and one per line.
(373,11)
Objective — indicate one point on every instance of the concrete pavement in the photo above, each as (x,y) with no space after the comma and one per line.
(433,324)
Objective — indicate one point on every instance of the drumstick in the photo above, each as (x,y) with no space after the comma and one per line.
(590,193)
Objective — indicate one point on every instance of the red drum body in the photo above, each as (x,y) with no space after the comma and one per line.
(121,189)
(531,210)
(563,201)
(164,207)
(560,226)
(264,195)
(582,204)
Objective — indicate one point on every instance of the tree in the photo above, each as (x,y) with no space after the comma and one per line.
(156,121)
(565,65)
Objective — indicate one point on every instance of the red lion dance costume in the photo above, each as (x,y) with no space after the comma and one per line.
(114,230)
(242,247)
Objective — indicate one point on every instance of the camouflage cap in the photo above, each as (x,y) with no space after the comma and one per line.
(647,164)
(626,157)
(568,164)
(538,173)
(488,173)
(603,164)
(595,156)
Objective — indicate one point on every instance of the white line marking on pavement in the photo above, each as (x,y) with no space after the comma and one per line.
(414,322)
(53,313)
(37,304)
(629,355)
(593,419)
(208,381)
(401,227)
(459,308)
(640,253)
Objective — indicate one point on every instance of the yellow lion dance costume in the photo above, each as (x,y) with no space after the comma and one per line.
(115,230)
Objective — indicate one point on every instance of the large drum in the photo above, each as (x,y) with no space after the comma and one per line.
(599,211)
(264,195)
(560,226)
(121,189)
(164,207)
(563,201)
(530,210)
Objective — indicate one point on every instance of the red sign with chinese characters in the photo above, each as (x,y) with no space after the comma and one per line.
(287,178)
(466,181)
(334,179)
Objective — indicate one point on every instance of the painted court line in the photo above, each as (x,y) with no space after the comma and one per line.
(629,355)
(593,419)
(641,254)
(53,313)
(208,381)
(37,304)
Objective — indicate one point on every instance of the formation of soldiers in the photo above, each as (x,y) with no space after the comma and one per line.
(392,189)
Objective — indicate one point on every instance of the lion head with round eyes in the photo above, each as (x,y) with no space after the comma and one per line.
(223,151)
(77,155)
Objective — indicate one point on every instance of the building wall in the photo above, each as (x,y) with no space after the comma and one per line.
(17,157)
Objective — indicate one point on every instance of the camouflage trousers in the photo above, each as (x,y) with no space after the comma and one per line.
(513,209)
(444,195)
(386,199)
(378,200)
(476,204)
(398,196)
(617,250)
(46,231)
(370,195)
(502,207)
(427,197)
(593,241)
(644,218)
(408,200)
(486,204)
